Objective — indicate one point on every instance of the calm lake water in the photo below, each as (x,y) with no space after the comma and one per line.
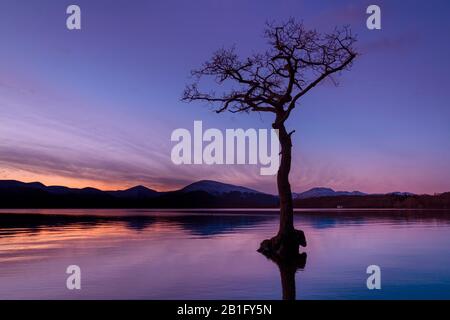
(138,254)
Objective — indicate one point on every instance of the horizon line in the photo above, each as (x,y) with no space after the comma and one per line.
(202,180)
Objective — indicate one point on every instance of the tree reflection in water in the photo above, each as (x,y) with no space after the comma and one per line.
(288,267)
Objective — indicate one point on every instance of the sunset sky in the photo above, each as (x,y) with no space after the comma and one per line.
(97,107)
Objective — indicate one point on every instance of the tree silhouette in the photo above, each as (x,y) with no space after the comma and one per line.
(274,81)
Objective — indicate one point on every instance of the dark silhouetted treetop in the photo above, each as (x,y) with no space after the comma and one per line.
(297,60)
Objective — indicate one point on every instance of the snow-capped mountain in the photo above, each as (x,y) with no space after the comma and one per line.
(325,192)
(217,188)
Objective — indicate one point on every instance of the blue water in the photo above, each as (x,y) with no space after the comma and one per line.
(139,254)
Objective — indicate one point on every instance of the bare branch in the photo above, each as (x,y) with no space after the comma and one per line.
(297,61)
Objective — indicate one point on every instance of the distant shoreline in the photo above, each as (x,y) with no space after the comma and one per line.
(205,195)
(274,211)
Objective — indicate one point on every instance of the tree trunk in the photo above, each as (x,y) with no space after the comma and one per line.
(284,188)
(286,243)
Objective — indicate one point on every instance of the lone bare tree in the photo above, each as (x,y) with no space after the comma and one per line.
(274,81)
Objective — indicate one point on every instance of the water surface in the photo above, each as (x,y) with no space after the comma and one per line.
(139,254)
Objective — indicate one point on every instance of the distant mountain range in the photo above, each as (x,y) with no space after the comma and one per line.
(201,194)
(326,192)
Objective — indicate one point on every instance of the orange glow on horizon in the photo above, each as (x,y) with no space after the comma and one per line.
(78,183)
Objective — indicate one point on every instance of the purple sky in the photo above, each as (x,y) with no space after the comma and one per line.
(97,106)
